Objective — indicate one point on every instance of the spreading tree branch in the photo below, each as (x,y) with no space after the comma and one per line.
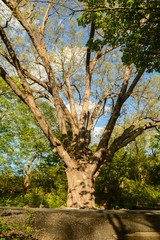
(42,53)
(85,107)
(29,100)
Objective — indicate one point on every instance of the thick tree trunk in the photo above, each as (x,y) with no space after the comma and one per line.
(80,189)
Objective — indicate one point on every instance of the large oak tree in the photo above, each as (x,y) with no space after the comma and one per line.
(51,62)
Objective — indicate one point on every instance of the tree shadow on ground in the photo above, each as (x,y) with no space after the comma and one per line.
(108,225)
(51,224)
(144,224)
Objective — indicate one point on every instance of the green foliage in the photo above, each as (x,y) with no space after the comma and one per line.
(126,182)
(56,199)
(139,194)
(155,143)
(21,137)
(129,181)
(134,25)
(21,140)
(48,188)
(133,178)
(29,217)
(14,231)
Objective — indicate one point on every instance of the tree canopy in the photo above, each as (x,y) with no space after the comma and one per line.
(78,71)
(132,25)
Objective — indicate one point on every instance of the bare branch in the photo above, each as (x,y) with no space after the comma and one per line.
(85,106)
(130,134)
(80,99)
(134,83)
(127,136)
(12,5)
(116,111)
(99,9)
(99,54)
(4,93)
(36,80)
(106,95)
(14,59)
(71,101)
(12,84)
(108,8)
(42,52)
(41,29)
(27,74)
(44,126)
(7,57)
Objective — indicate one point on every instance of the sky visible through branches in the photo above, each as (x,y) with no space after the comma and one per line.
(66,53)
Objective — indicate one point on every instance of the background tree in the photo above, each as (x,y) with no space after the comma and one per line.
(131,180)
(65,80)
(22,141)
(29,171)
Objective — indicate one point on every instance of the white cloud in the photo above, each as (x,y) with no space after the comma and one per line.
(6,15)
(91,108)
(96,133)
(58,59)
(62,58)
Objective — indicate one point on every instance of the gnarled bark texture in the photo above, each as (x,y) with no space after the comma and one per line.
(80,189)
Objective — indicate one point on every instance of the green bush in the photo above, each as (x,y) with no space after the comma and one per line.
(11,199)
(32,199)
(56,200)
(139,194)
(15,231)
